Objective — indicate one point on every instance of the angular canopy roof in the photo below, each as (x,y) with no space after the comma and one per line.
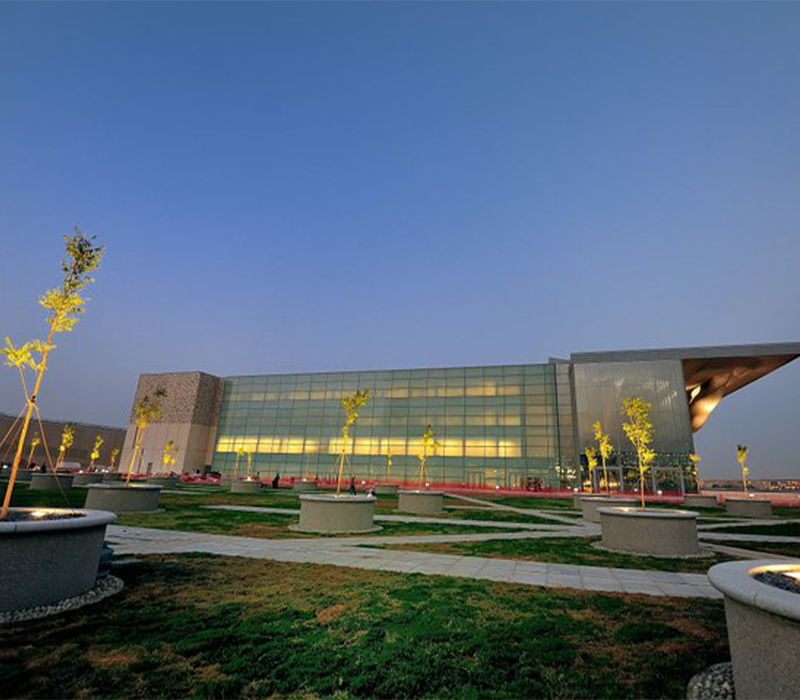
(710,373)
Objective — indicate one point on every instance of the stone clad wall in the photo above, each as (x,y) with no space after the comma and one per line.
(189,418)
(79,452)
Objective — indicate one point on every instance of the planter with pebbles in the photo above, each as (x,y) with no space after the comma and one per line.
(50,482)
(119,498)
(421,502)
(653,531)
(762,610)
(387,489)
(336,513)
(590,504)
(245,486)
(696,500)
(748,507)
(49,554)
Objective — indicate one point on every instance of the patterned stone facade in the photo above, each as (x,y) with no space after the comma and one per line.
(189,413)
(80,451)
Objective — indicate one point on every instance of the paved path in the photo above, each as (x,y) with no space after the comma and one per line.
(512,509)
(341,552)
(579,527)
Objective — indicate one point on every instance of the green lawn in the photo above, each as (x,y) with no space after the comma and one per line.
(783,529)
(185,512)
(216,627)
(267,525)
(787,549)
(563,550)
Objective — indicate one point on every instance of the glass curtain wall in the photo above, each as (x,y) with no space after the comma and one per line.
(497,426)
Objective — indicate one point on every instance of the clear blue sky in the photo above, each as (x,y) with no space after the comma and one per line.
(308,187)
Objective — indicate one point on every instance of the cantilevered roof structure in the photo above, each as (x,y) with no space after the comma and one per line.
(710,373)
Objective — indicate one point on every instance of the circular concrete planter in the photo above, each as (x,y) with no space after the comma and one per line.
(590,504)
(112,477)
(763,629)
(421,502)
(336,514)
(46,561)
(245,486)
(304,486)
(50,482)
(695,500)
(661,533)
(748,507)
(118,498)
(387,489)
(165,481)
(22,474)
(84,478)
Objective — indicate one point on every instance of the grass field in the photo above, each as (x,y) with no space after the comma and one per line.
(563,550)
(787,549)
(783,529)
(217,627)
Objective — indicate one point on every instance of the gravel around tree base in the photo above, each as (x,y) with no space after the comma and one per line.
(103,588)
(715,683)
(779,580)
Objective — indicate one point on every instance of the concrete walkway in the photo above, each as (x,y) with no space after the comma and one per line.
(342,552)
(578,526)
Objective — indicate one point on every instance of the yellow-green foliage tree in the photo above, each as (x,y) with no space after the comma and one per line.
(98,441)
(249,460)
(113,457)
(240,452)
(429,448)
(694,463)
(591,460)
(350,404)
(67,439)
(639,431)
(63,305)
(606,449)
(741,457)
(34,444)
(170,455)
(388,463)
(145,412)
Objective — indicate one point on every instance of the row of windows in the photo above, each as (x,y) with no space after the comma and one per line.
(392,376)
(386,446)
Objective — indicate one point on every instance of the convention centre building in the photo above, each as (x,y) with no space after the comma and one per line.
(501,426)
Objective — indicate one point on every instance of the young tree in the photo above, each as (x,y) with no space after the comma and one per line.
(249,460)
(694,462)
(170,455)
(351,404)
(606,450)
(64,305)
(34,444)
(113,458)
(145,412)
(240,452)
(429,448)
(98,441)
(639,430)
(741,457)
(67,438)
(591,459)
(388,463)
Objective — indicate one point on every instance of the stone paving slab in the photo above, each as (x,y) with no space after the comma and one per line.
(131,540)
(513,509)
(424,520)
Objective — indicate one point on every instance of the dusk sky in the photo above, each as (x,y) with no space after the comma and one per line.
(299,187)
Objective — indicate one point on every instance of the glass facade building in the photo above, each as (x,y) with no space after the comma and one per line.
(501,426)
(495,425)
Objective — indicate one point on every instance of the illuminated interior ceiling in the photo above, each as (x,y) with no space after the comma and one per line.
(710,379)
